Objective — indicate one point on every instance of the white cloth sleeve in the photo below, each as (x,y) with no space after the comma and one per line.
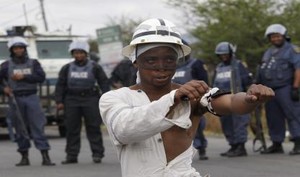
(128,124)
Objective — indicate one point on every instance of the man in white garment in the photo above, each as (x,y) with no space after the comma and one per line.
(153,123)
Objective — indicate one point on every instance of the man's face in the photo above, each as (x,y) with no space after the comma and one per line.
(79,55)
(18,51)
(157,66)
(276,39)
(225,57)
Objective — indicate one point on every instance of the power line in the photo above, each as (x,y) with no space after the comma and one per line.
(4,5)
(13,19)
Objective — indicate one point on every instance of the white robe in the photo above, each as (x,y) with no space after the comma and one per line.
(134,125)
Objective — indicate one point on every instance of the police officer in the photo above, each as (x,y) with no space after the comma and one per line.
(123,75)
(231,75)
(20,75)
(77,92)
(189,70)
(94,57)
(280,70)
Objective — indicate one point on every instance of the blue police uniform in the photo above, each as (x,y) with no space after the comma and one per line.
(19,77)
(78,89)
(124,73)
(234,78)
(277,71)
(27,99)
(193,69)
(10,127)
(32,116)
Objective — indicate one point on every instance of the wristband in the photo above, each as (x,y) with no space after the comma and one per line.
(206,100)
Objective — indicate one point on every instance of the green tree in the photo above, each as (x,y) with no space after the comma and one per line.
(241,22)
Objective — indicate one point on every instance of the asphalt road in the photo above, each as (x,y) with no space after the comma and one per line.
(254,165)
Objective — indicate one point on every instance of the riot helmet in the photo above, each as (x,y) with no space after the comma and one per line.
(276,28)
(17,42)
(79,45)
(224,48)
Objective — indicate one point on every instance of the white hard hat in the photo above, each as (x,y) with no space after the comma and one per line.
(155,31)
(17,41)
(79,45)
(276,28)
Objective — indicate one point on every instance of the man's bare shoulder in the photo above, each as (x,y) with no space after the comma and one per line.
(135,87)
(175,86)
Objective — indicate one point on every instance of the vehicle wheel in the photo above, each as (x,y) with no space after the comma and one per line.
(62,130)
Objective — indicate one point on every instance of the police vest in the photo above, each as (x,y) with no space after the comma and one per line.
(21,68)
(183,74)
(81,77)
(276,70)
(227,77)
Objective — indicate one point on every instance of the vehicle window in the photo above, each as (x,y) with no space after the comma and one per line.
(53,49)
(4,53)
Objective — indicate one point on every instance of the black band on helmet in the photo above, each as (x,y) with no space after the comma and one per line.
(161,32)
(230,49)
(162,22)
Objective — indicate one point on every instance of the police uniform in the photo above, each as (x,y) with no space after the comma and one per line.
(194,69)
(125,73)
(277,71)
(25,93)
(234,78)
(77,90)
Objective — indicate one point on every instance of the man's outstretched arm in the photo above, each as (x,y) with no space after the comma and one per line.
(222,104)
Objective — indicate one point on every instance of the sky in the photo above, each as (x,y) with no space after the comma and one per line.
(85,16)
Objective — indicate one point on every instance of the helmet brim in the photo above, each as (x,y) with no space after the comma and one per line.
(19,45)
(128,50)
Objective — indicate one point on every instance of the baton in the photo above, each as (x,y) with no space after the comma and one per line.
(259,134)
(20,125)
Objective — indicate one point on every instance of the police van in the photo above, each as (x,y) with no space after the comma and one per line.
(51,49)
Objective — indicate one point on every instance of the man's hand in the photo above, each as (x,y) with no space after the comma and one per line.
(193,90)
(60,106)
(8,91)
(17,76)
(259,94)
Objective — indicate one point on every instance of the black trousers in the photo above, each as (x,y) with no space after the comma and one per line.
(74,115)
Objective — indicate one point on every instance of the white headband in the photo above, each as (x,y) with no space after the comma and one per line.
(140,49)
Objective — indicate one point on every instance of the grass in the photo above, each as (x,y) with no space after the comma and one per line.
(213,125)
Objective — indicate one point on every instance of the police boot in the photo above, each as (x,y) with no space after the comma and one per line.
(24,160)
(238,151)
(296,149)
(70,160)
(97,158)
(46,158)
(202,154)
(275,148)
(232,148)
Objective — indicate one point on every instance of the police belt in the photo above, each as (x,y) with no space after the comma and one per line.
(24,93)
(279,87)
(83,93)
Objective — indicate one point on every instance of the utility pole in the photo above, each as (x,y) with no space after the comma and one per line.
(25,14)
(44,15)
